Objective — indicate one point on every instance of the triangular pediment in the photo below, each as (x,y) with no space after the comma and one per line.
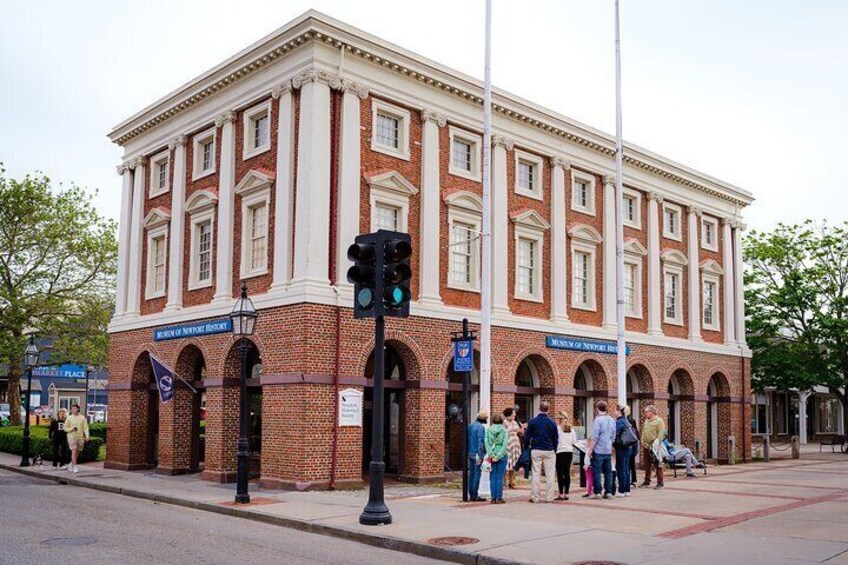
(531,219)
(393,181)
(674,256)
(712,267)
(255,180)
(585,232)
(634,247)
(156,217)
(200,200)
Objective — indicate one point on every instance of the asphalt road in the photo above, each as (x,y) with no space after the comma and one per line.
(43,523)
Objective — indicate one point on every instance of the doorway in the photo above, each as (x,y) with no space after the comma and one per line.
(454,422)
(394,384)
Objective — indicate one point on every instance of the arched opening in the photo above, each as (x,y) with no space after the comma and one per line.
(191,366)
(718,415)
(394,383)
(640,391)
(680,421)
(589,382)
(253,362)
(454,422)
(527,394)
(143,375)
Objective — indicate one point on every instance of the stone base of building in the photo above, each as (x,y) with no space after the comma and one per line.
(284,484)
(119,466)
(221,477)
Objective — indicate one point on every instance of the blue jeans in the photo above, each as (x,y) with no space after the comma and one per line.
(496,478)
(474,473)
(602,462)
(622,467)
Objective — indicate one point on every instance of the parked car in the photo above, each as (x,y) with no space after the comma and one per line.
(97,413)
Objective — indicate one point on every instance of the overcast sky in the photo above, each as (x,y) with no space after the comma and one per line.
(752,92)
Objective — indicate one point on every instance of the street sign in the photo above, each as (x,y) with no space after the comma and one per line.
(463,356)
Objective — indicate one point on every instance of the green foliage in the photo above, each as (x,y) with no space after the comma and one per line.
(97,430)
(11,441)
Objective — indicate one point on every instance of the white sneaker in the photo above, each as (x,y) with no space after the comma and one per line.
(63,467)
(627,494)
(76,470)
(620,495)
(69,468)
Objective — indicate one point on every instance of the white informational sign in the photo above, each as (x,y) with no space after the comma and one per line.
(350,407)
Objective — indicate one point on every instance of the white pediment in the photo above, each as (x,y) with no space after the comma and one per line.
(633,247)
(585,232)
(201,200)
(674,256)
(531,219)
(711,266)
(156,217)
(254,181)
(392,181)
(465,200)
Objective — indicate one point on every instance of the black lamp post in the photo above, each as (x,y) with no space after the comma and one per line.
(243,317)
(88,370)
(30,360)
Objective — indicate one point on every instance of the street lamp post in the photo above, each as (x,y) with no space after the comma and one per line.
(30,360)
(88,370)
(243,317)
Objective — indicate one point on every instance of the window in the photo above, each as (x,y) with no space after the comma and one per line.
(671,222)
(203,148)
(204,250)
(387,217)
(759,414)
(827,417)
(529,175)
(257,130)
(584,242)
(583,192)
(527,267)
(390,129)
(201,209)
(465,217)
(389,199)
(672,298)
(464,154)
(66,403)
(632,208)
(634,252)
(157,254)
(159,174)
(463,239)
(258,237)
(709,303)
(630,288)
(582,278)
(529,239)
(709,234)
(255,191)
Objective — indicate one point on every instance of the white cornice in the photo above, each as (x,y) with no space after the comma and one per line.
(314,26)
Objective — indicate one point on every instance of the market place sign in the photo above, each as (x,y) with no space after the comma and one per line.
(606,347)
(224,325)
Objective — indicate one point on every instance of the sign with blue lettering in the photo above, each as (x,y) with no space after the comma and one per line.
(60,371)
(609,347)
(223,325)
(463,356)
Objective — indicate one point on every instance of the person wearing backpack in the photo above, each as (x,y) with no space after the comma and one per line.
(625,441)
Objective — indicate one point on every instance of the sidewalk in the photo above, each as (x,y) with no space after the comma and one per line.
(787,511)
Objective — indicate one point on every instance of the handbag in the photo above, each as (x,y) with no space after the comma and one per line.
(486,467)
(628,436)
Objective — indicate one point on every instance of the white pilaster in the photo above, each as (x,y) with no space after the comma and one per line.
(655,299)
(500,226)
(226,213)
(136,237)
(175,237)
(312,217)
(739,286)
(694,275)
(803,395)
(559,246)
(124,231)
(430,194)
(283,196)
(609,253)
(729,296)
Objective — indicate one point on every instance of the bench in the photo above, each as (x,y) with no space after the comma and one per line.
(675,465)
(833,442)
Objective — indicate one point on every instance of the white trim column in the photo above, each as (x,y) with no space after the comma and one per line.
(655,298)
(124,231)
(500,226)
(693,247)
(803,395)
(729,297)
(609,254)
(739,285)
(136,238)
(283,201)
(312,217)
(226,205)
(176,260)
(431,224)
(559,246)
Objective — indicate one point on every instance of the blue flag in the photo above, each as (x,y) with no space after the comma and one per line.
(164,379)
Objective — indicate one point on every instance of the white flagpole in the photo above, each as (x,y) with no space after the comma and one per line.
(486,285)
(621,357)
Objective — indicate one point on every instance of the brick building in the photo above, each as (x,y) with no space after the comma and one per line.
(264,169)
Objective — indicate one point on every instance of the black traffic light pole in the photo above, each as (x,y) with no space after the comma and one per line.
(465,335)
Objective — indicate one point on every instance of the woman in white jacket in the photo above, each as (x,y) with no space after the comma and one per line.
(564,454)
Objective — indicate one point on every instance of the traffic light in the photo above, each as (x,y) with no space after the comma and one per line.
(397,250)
(363,275)
(380,274)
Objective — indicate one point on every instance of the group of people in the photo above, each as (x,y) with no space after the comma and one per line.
(68,435)
(545,446)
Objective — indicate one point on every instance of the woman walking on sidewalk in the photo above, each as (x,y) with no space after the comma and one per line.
(76,426)
(59,439)
(496,452)
(514,433)
(564,455)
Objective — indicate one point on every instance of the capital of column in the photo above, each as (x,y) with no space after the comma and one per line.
(312,74)
(138,162)
(727,222)
(658,196)
(501,141)
(431,115)
(227,117)
(124,167)
(279,90)
(741,226)
(609,180)
(695,210)
(178,141)
(354,87)
(562,162)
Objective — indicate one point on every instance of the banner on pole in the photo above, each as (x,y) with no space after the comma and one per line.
(164,379)
(463,356)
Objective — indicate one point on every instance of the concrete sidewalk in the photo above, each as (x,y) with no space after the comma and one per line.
(788,511)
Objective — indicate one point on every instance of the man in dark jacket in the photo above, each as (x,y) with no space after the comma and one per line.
(476,453)
(542,437)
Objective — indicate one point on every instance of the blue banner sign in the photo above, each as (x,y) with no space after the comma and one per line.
(609,347)
(463,356)
(164,379)
(60,371)
(223,325)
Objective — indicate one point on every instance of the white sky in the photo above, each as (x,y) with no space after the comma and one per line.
(751,92)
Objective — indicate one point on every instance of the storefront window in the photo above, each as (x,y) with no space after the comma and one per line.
(759,415)
(827,417)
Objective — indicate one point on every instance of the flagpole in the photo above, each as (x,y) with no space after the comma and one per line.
(621,351)
(486,285)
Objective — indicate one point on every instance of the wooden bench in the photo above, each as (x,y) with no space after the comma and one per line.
(833,442)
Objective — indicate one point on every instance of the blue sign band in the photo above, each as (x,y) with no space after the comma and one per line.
(607,347)
(463,357)
(223,325)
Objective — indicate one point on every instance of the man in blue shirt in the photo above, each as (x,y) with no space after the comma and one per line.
(600,448)
(476,453)
(542,438)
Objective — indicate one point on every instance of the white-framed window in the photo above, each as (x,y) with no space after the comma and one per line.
(710,303)
(465,218)
(631,288)
(672,218)
(584,243)
(529,175)
(203,151)
(157,261)
(464,153)
(632,208)
(204,250)
(709,233)
(530,228)
(582,192)
(257,130)
(673,295)
(68,401)
(527,277)
(389,199)
(201,209)
(159,174)
(254,234)
(828,413)
(390,129)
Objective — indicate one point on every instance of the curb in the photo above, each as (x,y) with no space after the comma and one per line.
(385,542)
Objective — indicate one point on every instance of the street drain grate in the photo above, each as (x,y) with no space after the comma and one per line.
(450,541)
(69,541)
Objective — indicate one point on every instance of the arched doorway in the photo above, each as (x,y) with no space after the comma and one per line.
(143,375)
(191,366)
(527,395)
(253,362)
(393,410)
(589,382)
(454,422)
(680,421)
(718,415)
(640,391)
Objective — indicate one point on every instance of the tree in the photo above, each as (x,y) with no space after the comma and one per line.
(796,295)
(57,270)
